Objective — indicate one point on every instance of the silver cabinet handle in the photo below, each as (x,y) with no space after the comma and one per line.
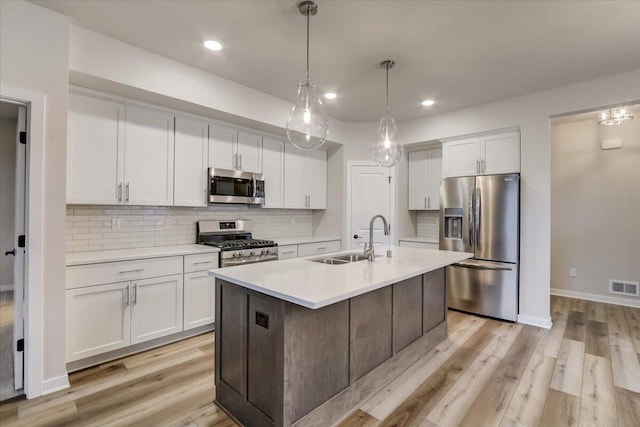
(321,249)
(240,161)
(120,192)
(484,166)
(287,252)
(429,201)
(425,202)
(477,166)
(202,262)
(127,192)
(135,294)
(132,271)
(126,297)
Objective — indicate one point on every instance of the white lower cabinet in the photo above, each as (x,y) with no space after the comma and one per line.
(318,248)
(199,299)
(414,244)
(97,320)
(287,251)
(156,308)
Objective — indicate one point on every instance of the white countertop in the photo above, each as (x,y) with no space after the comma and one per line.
(419,239)
(303,239)
(314,285)
(94,257)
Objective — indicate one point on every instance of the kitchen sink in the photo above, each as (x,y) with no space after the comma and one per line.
(342,259)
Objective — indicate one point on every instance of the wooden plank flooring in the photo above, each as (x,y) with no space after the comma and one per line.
(585,371)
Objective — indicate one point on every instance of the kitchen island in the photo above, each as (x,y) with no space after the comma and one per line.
(303,343)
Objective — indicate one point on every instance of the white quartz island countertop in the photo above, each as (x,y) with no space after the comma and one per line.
(315,285)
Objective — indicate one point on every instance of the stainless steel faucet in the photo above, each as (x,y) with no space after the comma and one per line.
(368,247)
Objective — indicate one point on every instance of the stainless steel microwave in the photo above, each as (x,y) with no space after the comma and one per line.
(229,186)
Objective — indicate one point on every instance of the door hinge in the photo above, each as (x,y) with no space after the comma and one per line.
(21,241)
(20,344)
(389,179)
(23,137)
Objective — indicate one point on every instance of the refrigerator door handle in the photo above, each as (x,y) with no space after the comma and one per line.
(471,223)
(478,210)
(481,267)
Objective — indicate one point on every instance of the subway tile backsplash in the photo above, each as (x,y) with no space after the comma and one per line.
(427,223)
(94,228)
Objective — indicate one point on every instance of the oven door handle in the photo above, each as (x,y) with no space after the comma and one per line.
(248,261)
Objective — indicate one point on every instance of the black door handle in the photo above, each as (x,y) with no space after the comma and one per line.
(13,252)
(355,236)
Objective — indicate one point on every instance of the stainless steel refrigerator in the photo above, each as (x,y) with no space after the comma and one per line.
(482,215)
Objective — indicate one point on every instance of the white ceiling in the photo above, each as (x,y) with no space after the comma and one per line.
(459,53)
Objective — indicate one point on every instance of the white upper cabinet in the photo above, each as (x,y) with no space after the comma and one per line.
(95,150)
(273,171)
(305,178)
(148,153)
(235,150)
(425,173)
(501,153)
(490,154)
(249,152)
(191,158)
(316,171)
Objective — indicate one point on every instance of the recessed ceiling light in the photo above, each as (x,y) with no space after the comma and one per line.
(213,45)
(428,102)
(330,95)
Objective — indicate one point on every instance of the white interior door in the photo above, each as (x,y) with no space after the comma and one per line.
(19,261)
(370,195)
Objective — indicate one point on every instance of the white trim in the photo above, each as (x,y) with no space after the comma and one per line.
(595,297)
(33,358)
(55,384)
(392,201)
(540,322)
(6,288)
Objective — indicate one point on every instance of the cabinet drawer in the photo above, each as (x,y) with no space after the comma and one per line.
(308,249)
(113,272)
(289,251)
(200,262)
(423,245)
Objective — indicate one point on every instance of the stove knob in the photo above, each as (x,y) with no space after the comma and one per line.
(235,255)
(251,253)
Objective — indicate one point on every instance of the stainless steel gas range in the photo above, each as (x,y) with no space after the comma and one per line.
(237,247)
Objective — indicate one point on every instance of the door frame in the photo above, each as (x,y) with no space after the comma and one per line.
(34,226)
(392,200)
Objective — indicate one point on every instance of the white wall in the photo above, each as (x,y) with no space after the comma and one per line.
(34,56)
(531,113)
(595,207)
(7,196)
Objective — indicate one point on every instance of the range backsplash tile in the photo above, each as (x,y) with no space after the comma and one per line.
(89,228)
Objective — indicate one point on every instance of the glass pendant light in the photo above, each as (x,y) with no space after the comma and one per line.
(308,123)
(387,148)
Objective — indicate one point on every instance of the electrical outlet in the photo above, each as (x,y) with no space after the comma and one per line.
(168,224)
(115,223)
(573,272)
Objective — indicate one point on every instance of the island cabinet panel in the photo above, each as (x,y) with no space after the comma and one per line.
(371,335)
(433,284)
(407,312)
(316,356)
(232,330)
(264,364)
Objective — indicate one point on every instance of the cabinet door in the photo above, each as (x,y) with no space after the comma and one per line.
(273,170)
(94,150)
(501,153)
(148,154)
(418,179)
(295,189)
(97,320)
(222,147)
(434,176)
(199,299)
(317,179)
(156,307)
(249,152)
(460,158)
(191,159)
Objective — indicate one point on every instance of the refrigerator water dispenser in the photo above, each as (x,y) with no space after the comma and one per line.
(453,223)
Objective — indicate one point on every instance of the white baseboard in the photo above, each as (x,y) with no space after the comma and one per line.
(55,384)
(540,322)
(595,297)
(5,288)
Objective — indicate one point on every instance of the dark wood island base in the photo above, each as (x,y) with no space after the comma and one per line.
(281,364)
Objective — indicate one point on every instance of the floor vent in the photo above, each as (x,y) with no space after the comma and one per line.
(621,287)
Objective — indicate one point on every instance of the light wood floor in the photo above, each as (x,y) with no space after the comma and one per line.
(7,384)
(584,371)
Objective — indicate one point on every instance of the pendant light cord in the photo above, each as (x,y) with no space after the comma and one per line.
(387,103)
(308,20)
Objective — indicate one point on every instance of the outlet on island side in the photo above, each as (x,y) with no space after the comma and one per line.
(573,272)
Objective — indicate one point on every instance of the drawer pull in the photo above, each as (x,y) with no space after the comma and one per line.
(202,262)
(287,252)
(321,249)
(132,271)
